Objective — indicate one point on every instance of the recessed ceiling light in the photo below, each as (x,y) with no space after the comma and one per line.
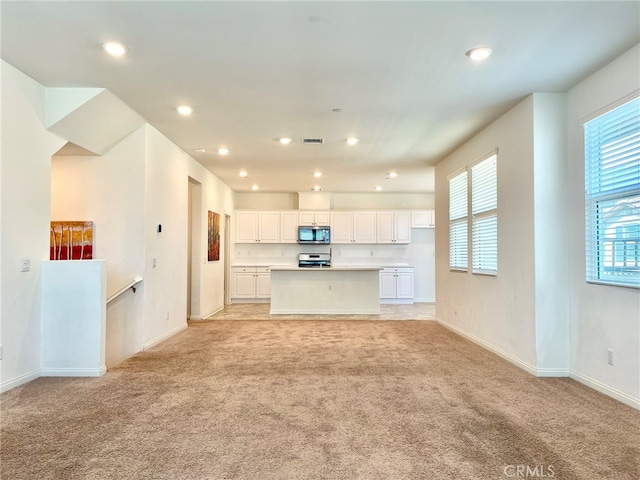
(243,174)
(200,150)
(352,140)
(336,110)
(184,110)
(392,175)
(223,151)
(377,188)
(317,174)
(254,187)
(316,188)
(114,48)
(479,54)
(285,140)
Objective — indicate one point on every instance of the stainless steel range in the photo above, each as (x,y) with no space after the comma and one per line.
(314,260)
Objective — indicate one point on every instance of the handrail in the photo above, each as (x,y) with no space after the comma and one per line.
(131,285)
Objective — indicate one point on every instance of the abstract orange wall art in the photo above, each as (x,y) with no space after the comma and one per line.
(71,241)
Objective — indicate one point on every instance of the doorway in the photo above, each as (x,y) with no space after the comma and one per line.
(193,249)
(227,258)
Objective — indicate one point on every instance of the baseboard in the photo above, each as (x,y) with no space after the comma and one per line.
(552,372)
(396,301)
(204,317)
(73,372)
(235,301)
(549,372)
(607,390)
(21,380)
(501,353)
(162,338)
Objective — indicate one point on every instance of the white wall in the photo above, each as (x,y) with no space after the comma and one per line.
(539,312)
(551,243)
(168,170)
(26,164)
(498,312)
(109,190)
(601,317)
(137,184)
(339,201)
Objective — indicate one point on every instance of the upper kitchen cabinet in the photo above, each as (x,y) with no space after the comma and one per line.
(353,227)
(289,226)
(310,218)
(423,219)
(394,227)
(257,226)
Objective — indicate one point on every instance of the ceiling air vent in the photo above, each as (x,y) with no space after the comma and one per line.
(318,141)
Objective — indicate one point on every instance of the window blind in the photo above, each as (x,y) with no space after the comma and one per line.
(458,222)
(484,210)
(612,196)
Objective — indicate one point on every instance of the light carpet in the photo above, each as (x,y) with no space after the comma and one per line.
(315,400)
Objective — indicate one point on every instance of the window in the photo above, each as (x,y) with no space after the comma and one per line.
(484,212)
(458,222)
(612,196)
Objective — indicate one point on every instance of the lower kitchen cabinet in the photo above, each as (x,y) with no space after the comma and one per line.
(396,285)
(250,284)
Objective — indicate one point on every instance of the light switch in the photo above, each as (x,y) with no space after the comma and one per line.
(25,265)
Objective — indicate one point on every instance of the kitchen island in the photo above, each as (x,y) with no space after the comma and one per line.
(325,290)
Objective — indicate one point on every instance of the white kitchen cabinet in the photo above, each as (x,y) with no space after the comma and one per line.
(423,219)
(289,227)
(364,227)
(341,227)
(250,283)
(396,285)
(257,226)
(393,227)
(353,227)
(310,218)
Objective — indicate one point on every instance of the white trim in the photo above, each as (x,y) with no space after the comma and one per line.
(73,372)
(219,309)
(501,353)
(607,390)
(552,372)
(609,107)
(162,338)
(204,317)
(235,301)
(21,380)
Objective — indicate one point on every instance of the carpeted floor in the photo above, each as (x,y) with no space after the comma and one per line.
(315,400)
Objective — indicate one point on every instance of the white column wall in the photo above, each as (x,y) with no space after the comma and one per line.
(25,190)
(168,169)
(601,317)
(497,312)
(109,190)
(551,243)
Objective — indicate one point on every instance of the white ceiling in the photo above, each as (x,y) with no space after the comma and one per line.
(258,71)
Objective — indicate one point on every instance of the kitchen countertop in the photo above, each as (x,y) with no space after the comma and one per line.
(291,268)
(334,267)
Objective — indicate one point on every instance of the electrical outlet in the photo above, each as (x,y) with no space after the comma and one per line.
(330,287)
(155,262)
(610,357)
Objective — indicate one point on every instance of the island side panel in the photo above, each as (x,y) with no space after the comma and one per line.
(318,291)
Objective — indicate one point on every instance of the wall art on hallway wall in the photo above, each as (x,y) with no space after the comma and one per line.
(71,240)
(213,239)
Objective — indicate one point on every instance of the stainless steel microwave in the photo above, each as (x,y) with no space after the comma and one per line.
(317,235)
